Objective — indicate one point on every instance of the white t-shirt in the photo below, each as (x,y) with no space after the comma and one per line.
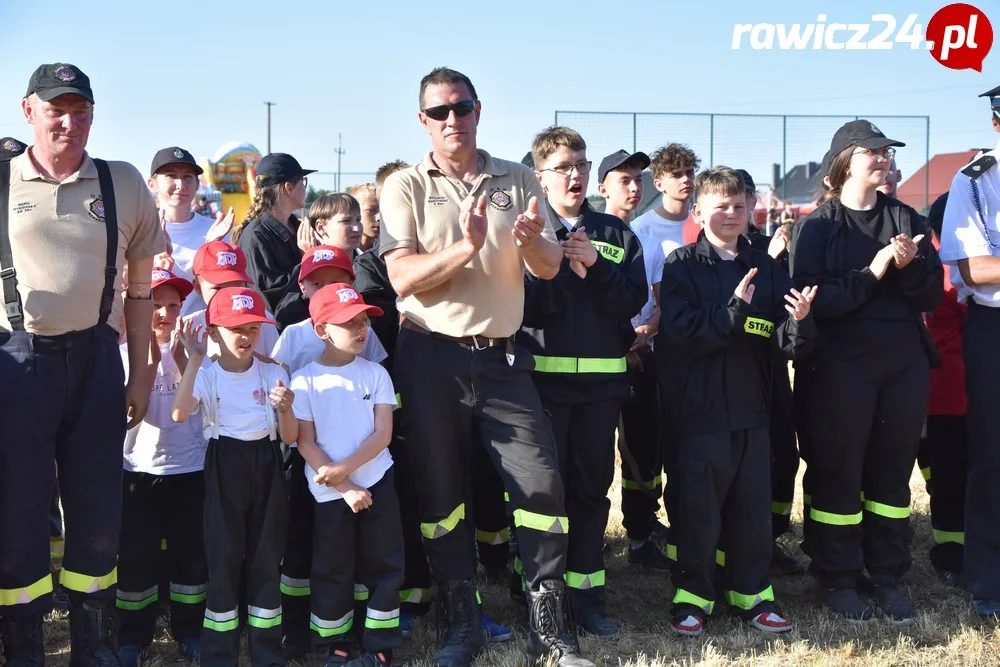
(653,258)
(186,238)
(340,401)
(962,234)
(268,337)
(158,445)
(298,345)
(242,399)
(569,223)
(668,233)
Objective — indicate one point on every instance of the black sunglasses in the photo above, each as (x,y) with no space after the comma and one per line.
(441,112)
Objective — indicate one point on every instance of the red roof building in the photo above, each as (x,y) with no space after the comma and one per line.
(933,179)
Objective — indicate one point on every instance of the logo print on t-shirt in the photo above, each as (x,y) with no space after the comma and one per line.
(367,397)
(225,258)
(500,200)
(259,396)
(95,207)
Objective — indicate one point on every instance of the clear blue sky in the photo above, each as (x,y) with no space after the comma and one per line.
(196,74)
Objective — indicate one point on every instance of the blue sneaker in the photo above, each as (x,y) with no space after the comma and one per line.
(191,648)
(406,621)
(494,631)
(129,654)
(988,608)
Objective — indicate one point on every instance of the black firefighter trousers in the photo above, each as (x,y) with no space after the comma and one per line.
(457,397)
(859,413)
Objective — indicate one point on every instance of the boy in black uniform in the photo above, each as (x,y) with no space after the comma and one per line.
(784,449)
(717,338)
(578,327)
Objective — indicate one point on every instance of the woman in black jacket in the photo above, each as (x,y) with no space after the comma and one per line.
(860,397)
(268,235)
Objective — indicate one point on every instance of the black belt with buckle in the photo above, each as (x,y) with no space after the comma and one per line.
(474,342)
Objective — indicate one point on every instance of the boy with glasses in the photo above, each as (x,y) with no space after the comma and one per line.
(578,327)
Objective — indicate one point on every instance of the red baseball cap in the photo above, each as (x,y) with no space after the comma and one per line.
(235,306)
(338,303)
(323,256)
(219,262)
(164,277)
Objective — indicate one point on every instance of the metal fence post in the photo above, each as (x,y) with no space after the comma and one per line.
(784,154)
(634,121)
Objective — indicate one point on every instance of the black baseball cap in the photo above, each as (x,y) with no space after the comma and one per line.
(617,159)
(528,160)
(861,133)
(275,168)
(51,81)
(747,180)
(10,148)
(173,155)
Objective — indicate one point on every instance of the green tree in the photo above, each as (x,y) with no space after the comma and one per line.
(312,194)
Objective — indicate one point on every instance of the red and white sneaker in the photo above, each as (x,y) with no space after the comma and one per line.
(771,622)
(690,626)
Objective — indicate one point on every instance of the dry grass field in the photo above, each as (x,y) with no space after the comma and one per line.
(947,632)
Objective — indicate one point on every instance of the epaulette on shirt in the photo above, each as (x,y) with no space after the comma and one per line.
(978,167)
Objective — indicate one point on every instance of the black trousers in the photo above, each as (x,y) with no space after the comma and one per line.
(297,562)
(154,508)
(859,413)
(982,503)
(350,549)
(490,518)
(62,403)
(415,593)
(246,510)
(784,451)
(944,462)
(456,398)
(720,483)
(585,441)
(641,452)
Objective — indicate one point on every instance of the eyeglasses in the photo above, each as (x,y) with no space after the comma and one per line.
(567,169)
(304,181)
(441,112)
(887,153)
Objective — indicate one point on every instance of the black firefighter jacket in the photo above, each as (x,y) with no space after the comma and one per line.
(579,329)
(714,351)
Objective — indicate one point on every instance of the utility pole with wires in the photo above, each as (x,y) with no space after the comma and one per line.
(269,105)
(339,151)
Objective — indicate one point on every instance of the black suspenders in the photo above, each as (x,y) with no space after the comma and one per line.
(11,299)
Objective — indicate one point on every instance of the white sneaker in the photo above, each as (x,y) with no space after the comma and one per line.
(771,622)
(690,626)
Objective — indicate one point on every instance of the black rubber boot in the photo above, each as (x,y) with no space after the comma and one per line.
(91,633)
(459,620)
(550,630)
(22,641)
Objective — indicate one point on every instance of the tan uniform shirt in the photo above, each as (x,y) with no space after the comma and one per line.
(59,242)
(420,208)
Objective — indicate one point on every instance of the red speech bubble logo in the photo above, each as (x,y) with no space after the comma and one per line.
(961,37)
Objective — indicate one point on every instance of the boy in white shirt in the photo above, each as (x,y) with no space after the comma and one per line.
(670,223)
(345,410)
(245,408)
(219,264)
(298,346)
(163,496)
(173,180)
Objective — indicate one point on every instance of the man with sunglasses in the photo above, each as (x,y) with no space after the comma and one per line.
(459,229)
(970,246)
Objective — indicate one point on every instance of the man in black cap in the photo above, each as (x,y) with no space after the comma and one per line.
(970,245)
(68,226)
(619,180)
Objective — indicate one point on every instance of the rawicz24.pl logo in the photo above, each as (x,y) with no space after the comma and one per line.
(958,36)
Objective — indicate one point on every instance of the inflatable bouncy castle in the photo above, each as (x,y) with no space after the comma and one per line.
(228,177)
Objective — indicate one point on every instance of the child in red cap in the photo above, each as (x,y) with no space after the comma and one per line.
(163,494)
(219,264)
(246,407)
(297,346)
(344,409)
